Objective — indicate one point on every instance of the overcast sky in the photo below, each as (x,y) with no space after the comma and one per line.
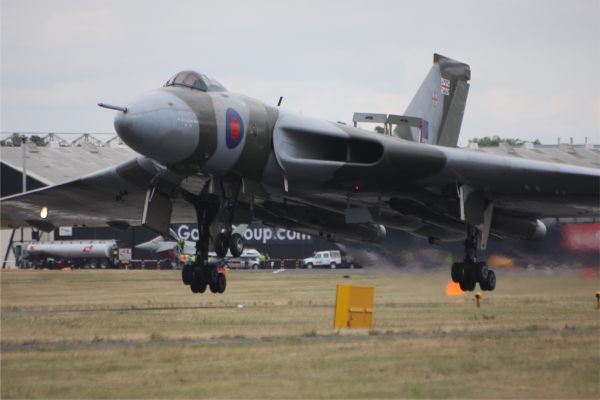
(535,64)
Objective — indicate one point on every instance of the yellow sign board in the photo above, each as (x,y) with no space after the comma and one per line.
(353,307)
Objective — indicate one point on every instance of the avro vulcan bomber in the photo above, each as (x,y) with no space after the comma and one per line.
(226,159)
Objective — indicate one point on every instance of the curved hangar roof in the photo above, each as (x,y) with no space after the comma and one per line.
(54,165)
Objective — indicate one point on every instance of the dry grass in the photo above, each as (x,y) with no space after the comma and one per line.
(558,357)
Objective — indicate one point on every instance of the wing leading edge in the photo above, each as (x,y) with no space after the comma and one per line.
(112,195)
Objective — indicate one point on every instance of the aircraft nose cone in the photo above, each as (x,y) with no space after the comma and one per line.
(159,125)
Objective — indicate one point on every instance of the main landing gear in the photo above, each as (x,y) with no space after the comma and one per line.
(202,274)
(470,272)
(225,239)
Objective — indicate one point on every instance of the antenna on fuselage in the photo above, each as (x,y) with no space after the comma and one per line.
(280,100)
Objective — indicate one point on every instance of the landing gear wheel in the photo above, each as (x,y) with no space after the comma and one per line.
(187,274)
(468,280)
(221,283)
(490,282)
(212,274)
(467,284)
(483,286)
(457,272)
(481,271)
(221,244)
(236,245)
(198,284)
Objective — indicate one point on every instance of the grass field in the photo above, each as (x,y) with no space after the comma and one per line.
(142,334)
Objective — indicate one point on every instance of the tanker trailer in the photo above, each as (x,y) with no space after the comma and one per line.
(76,253)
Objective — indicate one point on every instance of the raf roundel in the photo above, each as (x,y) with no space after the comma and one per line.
(234,131)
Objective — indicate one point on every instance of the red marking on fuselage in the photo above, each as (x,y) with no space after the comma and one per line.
(234,128)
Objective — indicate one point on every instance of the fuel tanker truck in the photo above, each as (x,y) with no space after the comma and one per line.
(81,254)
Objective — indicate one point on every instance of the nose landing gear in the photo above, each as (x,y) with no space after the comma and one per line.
(229,241)
(225,239)
(202,274)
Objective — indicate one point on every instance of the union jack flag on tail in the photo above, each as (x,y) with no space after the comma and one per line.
(445,87)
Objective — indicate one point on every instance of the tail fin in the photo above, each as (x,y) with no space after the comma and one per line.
(440,103)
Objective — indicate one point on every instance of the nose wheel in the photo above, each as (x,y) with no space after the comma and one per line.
(470,271)
(236,244)
(221,244)
(227,241)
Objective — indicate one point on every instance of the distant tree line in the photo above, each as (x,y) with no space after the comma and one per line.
(494,141)
(16,139)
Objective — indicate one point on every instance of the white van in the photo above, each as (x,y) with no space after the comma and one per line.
(329,258)
(250,258)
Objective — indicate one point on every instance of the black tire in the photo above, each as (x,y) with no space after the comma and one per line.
(221,244)
(352,266)
(211,275)
(187,274)
(332,265)
(213,287)
(483,286)
(457,272)
(481,271)
(236,245)
(195,286)
(491,280)
(199,283)
(221,283)
(255,266)
(309,265)
(467,284)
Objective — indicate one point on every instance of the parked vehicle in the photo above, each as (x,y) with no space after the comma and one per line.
(250,259)
(328,258)
(349,262)
(77,253)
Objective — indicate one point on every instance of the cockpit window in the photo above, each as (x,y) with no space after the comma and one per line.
(195,80)
(190,80)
